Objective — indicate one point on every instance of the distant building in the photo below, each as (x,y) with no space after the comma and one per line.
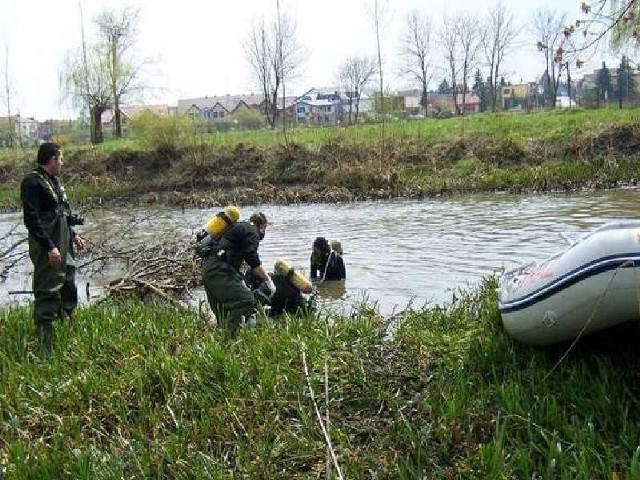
(127,112)
(442,103)
(517,95)
(18,130)
(329,106)
(216,109)
(320,106)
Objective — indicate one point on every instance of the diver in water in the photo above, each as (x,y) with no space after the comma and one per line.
(326,263)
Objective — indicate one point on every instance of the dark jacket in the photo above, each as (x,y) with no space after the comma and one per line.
(288,298)
(46,210)
(239,243)
(329,267)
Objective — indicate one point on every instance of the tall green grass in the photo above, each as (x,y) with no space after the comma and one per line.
(148,391)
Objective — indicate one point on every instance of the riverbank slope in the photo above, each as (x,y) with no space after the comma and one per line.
(550,151)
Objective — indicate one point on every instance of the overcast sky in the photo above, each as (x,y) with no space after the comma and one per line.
(196,46)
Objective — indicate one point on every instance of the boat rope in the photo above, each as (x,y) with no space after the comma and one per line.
(627,263)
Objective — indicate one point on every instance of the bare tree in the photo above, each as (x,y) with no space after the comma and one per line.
(8,95)
(118,31)
(415,50)
(378,11)
(471,37)
(354,74)
(272,51)
(451,51)
(548,26)
(497,41)
(84,80)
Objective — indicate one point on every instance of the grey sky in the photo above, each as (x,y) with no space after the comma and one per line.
(196,45)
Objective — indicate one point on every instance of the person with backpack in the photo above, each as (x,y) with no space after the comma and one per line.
(230,299)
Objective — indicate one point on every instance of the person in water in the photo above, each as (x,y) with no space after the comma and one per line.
(231,301)
(326,264)
(336,248)
(290,287)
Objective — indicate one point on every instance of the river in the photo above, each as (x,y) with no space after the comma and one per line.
(397,253)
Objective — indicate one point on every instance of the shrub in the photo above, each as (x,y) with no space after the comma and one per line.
(163,134)
(246,119)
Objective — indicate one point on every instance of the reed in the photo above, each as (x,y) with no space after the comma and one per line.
(139,390)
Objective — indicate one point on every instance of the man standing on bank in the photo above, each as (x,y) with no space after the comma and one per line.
(229,298)
(48,219)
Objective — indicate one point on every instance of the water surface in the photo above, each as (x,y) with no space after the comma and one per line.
(396,252)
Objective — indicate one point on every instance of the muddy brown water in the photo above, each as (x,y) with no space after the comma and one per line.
(397,253)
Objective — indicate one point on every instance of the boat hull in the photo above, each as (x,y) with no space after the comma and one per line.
(591,286)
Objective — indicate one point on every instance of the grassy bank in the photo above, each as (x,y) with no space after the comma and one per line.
(563,150)
(142,391)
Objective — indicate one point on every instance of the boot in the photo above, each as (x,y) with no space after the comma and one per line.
(44,332)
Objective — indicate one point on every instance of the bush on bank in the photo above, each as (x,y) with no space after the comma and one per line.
(148,391)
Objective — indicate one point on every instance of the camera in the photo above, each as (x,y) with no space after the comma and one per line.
(74,219)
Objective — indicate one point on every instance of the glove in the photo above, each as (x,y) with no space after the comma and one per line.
(271,286)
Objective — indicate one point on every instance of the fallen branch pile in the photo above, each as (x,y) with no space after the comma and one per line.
(158,265)
(167,271)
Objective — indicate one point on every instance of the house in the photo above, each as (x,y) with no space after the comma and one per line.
(329,106)
(127,112)
(18,130)
(564,101)
(216,109)
(412,102)
(587,89)
(364,105)
(471,102)
(517,94)
(438,103)
(288,104)
(322,106)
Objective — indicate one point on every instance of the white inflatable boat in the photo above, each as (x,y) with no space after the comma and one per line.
(592,285)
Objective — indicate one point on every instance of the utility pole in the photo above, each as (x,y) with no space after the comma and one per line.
(279,42)
(7,87)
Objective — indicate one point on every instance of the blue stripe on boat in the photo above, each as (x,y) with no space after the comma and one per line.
(595,267)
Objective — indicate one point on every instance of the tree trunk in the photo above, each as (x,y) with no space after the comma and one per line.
(117,118)
(424,99)
(96,125)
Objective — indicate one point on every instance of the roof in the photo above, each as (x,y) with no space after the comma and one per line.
(288,102)
(228,102)
(316,103)
(129,111)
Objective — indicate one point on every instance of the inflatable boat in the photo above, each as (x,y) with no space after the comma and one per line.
(592,285)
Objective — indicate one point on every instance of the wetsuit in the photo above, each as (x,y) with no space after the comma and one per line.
(287,299)
(329,267)
(46,212)
(228,296)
